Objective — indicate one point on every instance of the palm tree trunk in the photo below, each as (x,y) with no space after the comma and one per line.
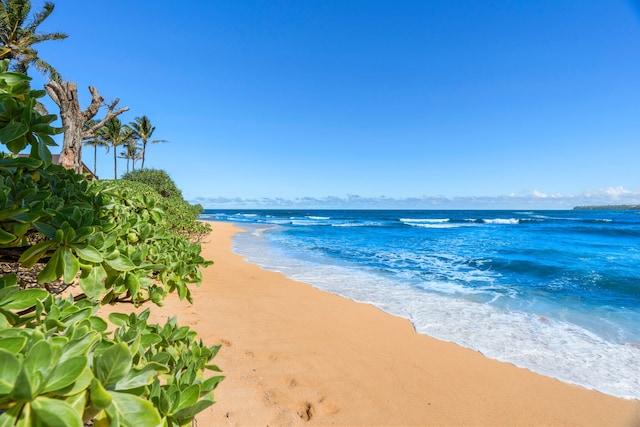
(115,164)
(144,152)
(95,160)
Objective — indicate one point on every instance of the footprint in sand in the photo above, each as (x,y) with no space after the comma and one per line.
(305,411)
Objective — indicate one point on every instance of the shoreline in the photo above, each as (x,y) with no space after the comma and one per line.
(295,355)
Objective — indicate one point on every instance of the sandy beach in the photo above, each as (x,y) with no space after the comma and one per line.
(293,355)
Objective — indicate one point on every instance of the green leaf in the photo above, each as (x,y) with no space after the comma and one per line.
(6,237)
(113,364)
(92,281)
(150,339)
(120,263)
(22,388)
(35,370)
(140,377)
(133,411)
(10,418)
(98,324)
(43,151)
(50,271)
(66,373)
(12,131)
(88,253)
(78,402)
(118,319)
(46,229)
(189,396)
(9,368)
(80,385)
(211,383)
(70,264)
(17,145)
(80,346)
(24,299)
(8,280)
(133,284)
(13,344)
(100,398)
(189,412)
(35,252)
(55,413)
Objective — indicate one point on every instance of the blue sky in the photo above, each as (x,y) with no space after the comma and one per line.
(370,103)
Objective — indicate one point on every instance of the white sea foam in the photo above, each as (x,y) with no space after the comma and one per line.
(502,221)
(420,220)
(357,224)
(318,217)
(438,225)
(556,348)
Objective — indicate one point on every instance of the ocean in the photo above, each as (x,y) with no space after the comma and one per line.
(556,292)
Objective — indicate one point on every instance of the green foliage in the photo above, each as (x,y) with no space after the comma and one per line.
(183,215)
(20,125)
(64,367)
(59,365)
(157,179)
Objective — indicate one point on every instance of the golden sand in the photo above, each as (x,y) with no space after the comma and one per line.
(294,355)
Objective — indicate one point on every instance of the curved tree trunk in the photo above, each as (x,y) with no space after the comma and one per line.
(65,95)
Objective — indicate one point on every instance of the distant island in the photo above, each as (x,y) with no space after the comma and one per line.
(608,208)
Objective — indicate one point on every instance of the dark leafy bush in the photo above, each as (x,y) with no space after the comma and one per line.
(181,216)
(59,365)
(158,179)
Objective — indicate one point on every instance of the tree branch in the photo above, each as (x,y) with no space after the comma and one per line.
(92,110)
(96,103)
(53,89)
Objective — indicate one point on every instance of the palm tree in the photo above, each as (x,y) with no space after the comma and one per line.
(116,134)
(143,130)
(95,141)
(17,36)
(131,152)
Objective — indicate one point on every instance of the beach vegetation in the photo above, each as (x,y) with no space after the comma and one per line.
(183,214)
(143,131)
(18,35)
(157,179)
(115,133)
(94,140)
(98,242)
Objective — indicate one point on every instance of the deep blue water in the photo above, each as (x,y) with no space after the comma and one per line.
(557,292)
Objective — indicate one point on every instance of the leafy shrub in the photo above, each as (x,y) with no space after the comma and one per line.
(182,216)
(58,364)
(157,179)
(63,368)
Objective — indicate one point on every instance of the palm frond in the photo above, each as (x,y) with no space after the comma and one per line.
(40,16)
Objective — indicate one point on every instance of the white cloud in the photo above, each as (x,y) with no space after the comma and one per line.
(534,200)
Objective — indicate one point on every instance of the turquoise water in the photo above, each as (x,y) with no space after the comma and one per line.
(557,292)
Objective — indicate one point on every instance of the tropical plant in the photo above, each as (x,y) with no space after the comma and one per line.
(18,37)
(158,187)
(131,153)
(20,125)
(95,141)
(60,363)
(116,134)
(143,131)
(158,179)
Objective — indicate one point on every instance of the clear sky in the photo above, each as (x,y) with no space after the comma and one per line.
(370,103)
